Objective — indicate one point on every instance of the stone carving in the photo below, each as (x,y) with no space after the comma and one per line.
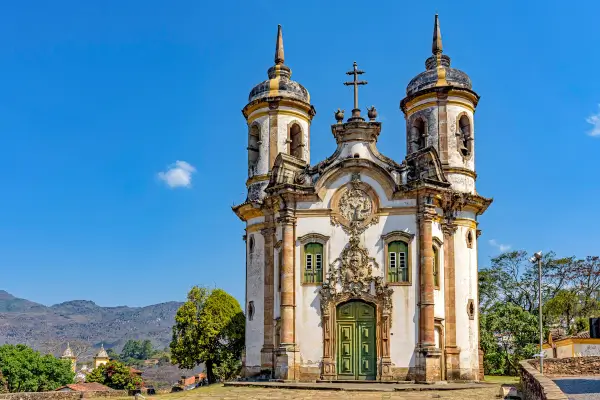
(355,208)
(351,276)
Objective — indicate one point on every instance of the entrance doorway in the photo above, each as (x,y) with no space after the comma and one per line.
(355,347)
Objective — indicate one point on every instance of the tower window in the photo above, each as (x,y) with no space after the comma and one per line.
(418,136)
(253,148)
(465,136)
(398,261)
(313,263)
(296,146)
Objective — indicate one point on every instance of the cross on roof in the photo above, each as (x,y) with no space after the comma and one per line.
(356,72)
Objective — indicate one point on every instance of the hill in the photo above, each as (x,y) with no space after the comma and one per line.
(37,325)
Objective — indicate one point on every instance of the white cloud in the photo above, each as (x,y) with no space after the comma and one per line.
(499,246)
(178,174)
(594,120)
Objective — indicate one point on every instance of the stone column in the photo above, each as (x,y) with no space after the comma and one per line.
(286,366)
(429,368)
(267,349)
(452,352)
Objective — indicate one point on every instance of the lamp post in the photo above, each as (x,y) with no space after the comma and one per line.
(537,258)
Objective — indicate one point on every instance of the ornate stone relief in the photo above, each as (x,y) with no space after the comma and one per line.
(351,276)
(354,208)
(471,309)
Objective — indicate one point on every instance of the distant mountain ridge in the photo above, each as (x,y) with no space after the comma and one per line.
(24,321)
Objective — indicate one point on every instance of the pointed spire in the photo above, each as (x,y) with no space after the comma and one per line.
(436,47)
(279,47)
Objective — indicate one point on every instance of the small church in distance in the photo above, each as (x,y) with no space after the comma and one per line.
(359,267)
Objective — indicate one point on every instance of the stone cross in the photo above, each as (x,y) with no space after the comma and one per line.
(356,72)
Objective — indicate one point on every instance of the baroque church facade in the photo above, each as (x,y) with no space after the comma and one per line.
(359,267)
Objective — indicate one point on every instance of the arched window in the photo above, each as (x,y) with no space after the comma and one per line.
(436,267)
(313,263)
(253,148)
(465,136)
(397,261)
(296,146)
(418,134)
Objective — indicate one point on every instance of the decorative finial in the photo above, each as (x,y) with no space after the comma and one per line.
(279,47)
(436,47)
(339,116)
(355,72)
(372,113)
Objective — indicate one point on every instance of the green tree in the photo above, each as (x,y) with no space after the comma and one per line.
(25,370)
(209,328)
(508,334)
(115,375)
(562,308)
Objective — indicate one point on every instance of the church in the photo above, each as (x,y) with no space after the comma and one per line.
(359,267)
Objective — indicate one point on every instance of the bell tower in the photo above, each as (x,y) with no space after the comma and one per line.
(278,115)
(439,109)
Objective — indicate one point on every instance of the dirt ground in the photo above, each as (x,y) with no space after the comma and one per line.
(231,393)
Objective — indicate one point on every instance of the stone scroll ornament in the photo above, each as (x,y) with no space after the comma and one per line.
(351,277)
(355,208)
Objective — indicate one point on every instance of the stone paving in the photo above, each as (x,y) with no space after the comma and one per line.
(580,388)
(256,393)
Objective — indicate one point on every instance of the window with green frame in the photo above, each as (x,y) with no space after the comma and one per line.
(313,263)
(436,268)
(398,261)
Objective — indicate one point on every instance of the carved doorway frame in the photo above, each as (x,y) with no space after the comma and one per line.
(382,334)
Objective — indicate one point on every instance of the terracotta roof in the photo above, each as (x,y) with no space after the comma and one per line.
(86,387)
(134,371)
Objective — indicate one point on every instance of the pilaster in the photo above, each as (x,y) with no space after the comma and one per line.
(442,111)
(452,352)
(267,355)
(428,365)
(287,353)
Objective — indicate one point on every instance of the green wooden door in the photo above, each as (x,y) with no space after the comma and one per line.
(356,354)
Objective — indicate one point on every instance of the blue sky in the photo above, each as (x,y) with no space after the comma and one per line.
(98,98)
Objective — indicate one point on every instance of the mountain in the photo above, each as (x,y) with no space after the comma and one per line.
(42,327)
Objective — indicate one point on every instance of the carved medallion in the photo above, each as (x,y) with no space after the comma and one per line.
(355,210)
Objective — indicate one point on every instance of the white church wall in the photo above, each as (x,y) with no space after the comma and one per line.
(466,288)
(438,294)
(255,293)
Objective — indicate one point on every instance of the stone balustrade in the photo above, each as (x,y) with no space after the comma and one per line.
(536,386)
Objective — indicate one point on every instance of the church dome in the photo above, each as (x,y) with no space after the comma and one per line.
(437,69)
(102,353)
(68,353)
(279,83)
(434,73)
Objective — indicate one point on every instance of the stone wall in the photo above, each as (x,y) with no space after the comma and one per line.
(570,366)
(536,386)
(61,395)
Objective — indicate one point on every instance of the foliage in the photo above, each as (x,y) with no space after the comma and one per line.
(137,350)
(115,375)
(209,328)
(509,334)
(25,370)
(509,304)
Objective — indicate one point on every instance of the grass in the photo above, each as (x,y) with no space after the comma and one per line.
(509,380)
